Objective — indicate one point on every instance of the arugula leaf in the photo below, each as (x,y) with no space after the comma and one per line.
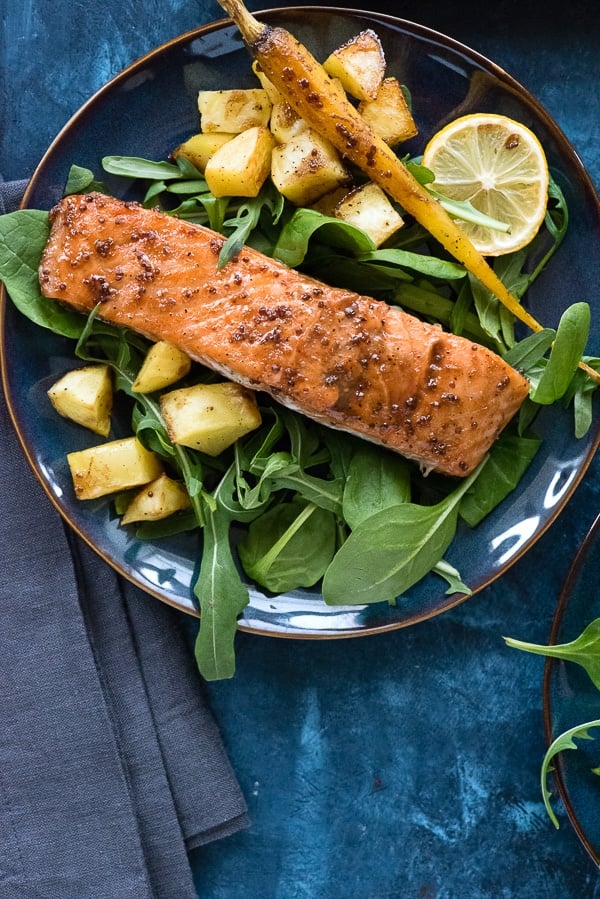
(246,219)
(565,740)
(222,598)
(464,210)
(495,319)
(556,222)
(451,574)
(23,236)
(393,549)
(584,651)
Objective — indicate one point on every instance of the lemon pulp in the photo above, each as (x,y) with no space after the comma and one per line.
(499,165)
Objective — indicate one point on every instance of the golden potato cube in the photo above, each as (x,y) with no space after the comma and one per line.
(242,165)
(275,96)
(359,64)
(388,114)
(158,499)
(210,417)
(163,365)
(306,167)
(85,395)
(368,208)
(233,111)
(113,466)
(200,147)
(328,203)
(285,122)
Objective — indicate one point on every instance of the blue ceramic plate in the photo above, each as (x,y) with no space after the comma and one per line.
(570,697)
(150,108)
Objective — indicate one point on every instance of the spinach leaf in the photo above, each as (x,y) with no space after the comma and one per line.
(376,480)
(292,245)
(508,460)
(567,349)
(431,304)
(580,392)
(584,650)
(23,236)
(528,352)
(289,546)
(347,272)
(81,180)
(565,740)
(393,549)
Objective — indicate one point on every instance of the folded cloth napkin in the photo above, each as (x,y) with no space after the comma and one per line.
(111,764)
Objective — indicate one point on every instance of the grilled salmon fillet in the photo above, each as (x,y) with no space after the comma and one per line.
(345,360)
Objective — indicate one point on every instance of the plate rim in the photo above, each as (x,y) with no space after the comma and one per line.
(414,29)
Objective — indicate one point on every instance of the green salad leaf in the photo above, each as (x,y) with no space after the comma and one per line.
(222,597)
(564,741)
(289,546)
(584,650)
(389,551)
(23,236)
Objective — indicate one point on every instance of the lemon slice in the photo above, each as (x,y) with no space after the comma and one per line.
(498,165)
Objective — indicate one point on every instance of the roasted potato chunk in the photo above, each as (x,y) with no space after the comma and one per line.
(285,122)
(306,167)
(233,111)
(157,500)
(163,365)
(369,209)
(359,64)
(210,417)
(85,395)
(113,466)
(242,165)
(328,203)
(200,147)
(388,114)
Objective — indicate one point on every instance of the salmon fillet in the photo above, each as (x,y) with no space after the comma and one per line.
(345,360)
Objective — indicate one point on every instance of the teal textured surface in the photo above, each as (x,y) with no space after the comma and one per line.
(404,765)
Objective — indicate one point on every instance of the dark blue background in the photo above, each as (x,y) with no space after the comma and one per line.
(403,765)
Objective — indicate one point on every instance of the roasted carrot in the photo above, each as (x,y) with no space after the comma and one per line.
(315,96)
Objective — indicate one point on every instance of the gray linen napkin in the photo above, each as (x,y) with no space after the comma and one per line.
(111,764)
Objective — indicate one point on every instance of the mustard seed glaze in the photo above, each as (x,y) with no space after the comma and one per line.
(348,361)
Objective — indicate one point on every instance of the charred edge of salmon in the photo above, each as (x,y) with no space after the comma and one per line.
(350,362)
